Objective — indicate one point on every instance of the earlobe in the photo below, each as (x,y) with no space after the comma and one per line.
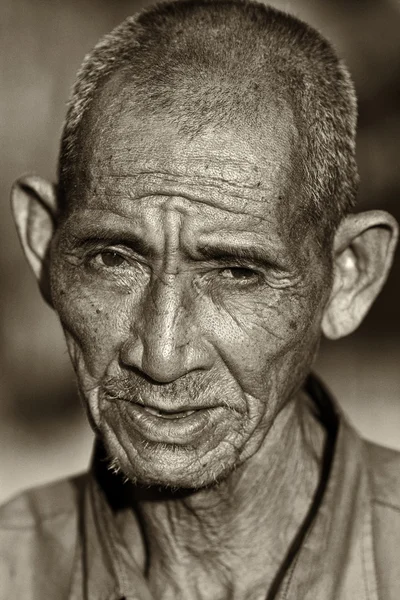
(34,206)
(363,253)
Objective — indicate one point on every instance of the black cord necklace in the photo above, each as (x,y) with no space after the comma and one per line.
(327,415)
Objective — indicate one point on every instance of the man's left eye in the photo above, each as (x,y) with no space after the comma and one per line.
(239,274)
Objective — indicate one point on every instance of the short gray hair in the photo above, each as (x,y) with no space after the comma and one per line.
(214,60)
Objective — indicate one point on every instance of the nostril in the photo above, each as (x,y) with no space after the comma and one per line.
(131,353)
(137,372)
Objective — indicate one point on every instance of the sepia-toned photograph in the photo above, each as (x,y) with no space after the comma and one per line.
(200,288)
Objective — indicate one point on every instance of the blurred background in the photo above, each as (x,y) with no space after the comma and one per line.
(43,431)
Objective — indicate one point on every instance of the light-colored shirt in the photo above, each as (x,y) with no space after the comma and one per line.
(62,541)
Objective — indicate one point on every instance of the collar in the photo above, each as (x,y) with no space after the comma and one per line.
(331,556)
(336,559)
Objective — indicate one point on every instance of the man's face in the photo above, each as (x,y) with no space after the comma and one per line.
(189,289)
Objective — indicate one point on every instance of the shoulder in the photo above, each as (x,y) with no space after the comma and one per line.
(38,533)
(384,468)
(42,504)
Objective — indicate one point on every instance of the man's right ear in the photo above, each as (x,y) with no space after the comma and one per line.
(34,207)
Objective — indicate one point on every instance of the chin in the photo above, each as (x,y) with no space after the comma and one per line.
(170,467)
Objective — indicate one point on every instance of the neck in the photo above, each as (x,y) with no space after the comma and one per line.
(195,542)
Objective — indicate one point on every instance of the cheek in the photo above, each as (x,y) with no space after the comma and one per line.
(267,339)
(95,323)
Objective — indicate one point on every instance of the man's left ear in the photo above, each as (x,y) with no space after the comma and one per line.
(364,247)
(34,207)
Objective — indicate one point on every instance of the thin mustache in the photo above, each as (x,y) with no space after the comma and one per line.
(196,392)
(129,388)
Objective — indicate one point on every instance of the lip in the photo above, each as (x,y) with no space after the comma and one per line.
(169,409)
(171,427)
(169,414)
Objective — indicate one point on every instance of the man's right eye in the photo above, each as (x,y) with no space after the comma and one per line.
(110,258)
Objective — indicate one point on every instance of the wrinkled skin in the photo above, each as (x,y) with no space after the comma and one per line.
(157,309)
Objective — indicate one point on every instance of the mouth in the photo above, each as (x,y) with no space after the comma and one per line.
(170,415)
(185,426)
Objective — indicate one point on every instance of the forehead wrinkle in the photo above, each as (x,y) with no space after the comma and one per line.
(233,173)
(146,183)
(252,190)
(191,198)
(255,203)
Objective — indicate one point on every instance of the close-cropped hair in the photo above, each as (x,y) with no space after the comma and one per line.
(221,63)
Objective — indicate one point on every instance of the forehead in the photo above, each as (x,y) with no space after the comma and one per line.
(129,153)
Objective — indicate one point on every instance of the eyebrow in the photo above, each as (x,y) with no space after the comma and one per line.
(99,234)
(224,252)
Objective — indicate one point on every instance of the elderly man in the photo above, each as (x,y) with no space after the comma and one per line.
(196,247)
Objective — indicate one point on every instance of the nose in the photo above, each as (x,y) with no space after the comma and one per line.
(164,342)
